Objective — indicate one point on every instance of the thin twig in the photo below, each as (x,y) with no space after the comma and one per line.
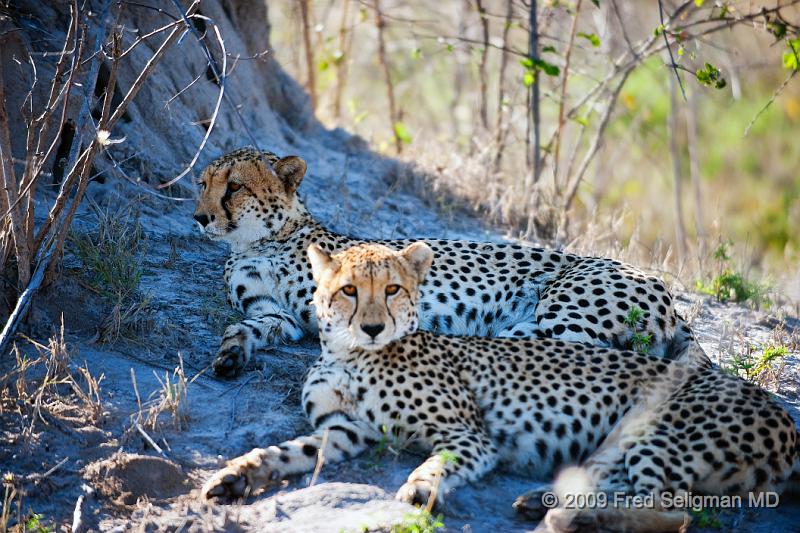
(563,100)
(320,458)
(772,98)
(669,49)
(149,440)
(222,82)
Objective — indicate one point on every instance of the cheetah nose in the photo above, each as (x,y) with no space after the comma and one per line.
(202,219)
(373,330)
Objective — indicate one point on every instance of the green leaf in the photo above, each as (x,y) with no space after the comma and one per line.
(791,59)
(528,79)
(596,3)
(699,3)
(402,133)
(323,65)
(532,65)
(548,68)
(710,76)
(416,53)
(548,49)
(659,30)
(591,37)
(777,28)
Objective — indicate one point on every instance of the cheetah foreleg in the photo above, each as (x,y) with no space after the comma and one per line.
(340,440)
(241,341)
(459,455)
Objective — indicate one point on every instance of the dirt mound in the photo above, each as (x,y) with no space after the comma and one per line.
(124,478)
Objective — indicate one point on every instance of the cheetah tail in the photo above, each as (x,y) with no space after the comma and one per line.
(684,346)
(632,520)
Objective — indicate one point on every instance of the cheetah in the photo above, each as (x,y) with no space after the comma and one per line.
(248,199)
(635,423)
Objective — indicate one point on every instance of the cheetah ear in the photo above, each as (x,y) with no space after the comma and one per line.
(420,257)
(291,171)
(320,261)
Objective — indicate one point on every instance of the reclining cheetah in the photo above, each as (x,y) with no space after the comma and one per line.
(536,404)
(248,199)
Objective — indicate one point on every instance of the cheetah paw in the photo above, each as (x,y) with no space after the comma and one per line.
(241,477)
(415,492)
(530,505)
(230,361)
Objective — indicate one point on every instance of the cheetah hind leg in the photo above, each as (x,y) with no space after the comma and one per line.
(534,504)
(603,481)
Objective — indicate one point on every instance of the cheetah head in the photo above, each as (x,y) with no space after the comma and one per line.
(367,295)
(248,195)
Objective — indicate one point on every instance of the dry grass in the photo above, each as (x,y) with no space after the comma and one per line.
(44,389)
(169,401)
(40,392)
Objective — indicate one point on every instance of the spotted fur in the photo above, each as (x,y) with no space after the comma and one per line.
(248,199)
(635,423)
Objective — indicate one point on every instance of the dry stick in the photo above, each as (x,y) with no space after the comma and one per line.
(81,170)
(64,94)
(467,40)
(533,52)
(83,176)
(41,125)
(484,111)
(212,64)
(341,64)
(692,140)
(76,157)
(772,98)
(21,246)
(669,48)
(311,83)
(674,150)
(500,132)
(320,458)
(222,82)
(596,141)
(381,25)
(24,301)
(562,102)
(642,51)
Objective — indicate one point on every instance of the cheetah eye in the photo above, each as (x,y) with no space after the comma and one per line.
(349,290)
(392,289)
(233,186)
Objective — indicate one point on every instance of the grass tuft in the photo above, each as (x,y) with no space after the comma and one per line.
(730,285)
(112,258)
(421,522)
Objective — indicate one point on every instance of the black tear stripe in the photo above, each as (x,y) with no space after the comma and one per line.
(227,196)
(350,320)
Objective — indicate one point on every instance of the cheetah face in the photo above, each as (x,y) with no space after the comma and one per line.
(367,296)
(248,195)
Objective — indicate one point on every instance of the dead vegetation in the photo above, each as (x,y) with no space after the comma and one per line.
(45,390)
(165,407)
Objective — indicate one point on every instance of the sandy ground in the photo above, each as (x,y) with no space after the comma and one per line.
(124,484)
